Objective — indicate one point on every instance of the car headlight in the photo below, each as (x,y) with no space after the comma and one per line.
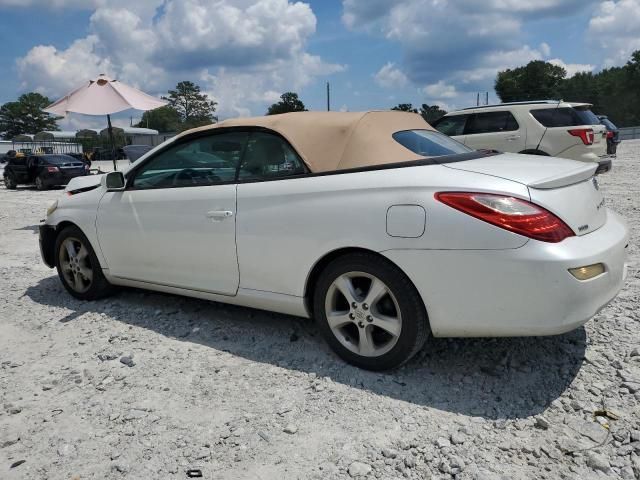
(52,207)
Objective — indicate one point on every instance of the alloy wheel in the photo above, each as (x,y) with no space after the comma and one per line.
(363,314)
(75,263)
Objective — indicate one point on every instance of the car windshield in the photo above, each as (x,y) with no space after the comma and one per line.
(59,159)
(608,123)
(429,143)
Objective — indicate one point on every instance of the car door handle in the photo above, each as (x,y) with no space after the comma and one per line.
(217,215)
(513,137)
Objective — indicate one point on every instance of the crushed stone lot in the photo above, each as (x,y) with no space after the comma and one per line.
(146,385)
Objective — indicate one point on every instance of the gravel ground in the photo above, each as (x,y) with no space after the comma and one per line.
(144,385)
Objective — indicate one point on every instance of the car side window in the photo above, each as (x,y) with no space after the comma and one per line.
(202,161)
(269,156)
(556,117)
(491,122)
(451,125)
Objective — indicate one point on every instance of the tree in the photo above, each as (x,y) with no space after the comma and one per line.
(289,102)
(26,116)
(537,80)
(614,92)
(431,113)
(405,107)
(163,119)
(194,107)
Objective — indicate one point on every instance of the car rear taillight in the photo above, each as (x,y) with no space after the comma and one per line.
(585,134)
(53,169)
(609,134)
(513,214)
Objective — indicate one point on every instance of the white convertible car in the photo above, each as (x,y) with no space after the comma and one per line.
(378,227)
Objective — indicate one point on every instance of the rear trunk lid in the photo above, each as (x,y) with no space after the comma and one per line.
(566,188)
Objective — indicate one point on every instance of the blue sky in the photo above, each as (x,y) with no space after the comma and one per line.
(244,53)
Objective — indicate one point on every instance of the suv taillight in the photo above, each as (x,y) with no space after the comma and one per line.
(53,169)
(585,134)
(513,214)
(609,134)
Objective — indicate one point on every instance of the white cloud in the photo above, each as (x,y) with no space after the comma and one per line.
(390,77)
(615,29)
(440,90)
(53,72)
(572,68)
(242,51)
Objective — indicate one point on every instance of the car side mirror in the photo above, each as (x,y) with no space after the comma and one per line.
(114,181)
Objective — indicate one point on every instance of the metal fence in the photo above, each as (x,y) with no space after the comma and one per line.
(629,133)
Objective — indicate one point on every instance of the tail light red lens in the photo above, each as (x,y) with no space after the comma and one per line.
(53,169)
(510,213)
(585,134)
(609,134)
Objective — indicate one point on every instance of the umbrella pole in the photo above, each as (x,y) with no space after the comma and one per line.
(113,147)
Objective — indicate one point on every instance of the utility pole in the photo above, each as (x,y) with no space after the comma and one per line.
(487,99)
(478,100)
(328,97)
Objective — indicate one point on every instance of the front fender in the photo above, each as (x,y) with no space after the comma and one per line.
(47,244)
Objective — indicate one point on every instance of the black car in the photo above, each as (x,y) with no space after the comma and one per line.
(613,134)
(44,171)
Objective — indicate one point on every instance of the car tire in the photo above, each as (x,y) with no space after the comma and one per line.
(40,184)
(381,307)
(10,182)
(78,266)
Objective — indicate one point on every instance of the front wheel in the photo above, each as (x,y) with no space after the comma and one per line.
(78,266)
(10,182)
(369,312)
(40,185)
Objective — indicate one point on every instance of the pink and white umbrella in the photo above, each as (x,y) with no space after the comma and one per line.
(104,96)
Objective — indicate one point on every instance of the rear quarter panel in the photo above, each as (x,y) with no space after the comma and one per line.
(284,227)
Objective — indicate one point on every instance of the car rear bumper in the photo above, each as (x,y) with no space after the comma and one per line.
(519,292)
(47,238)
(582,153)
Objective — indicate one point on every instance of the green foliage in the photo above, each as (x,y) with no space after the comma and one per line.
(194,107)
(26,116)
(614,92)
(537,80)
(431,113)
(289,102)
(163,119)
(405,107)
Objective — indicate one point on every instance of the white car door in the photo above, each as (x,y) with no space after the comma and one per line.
(495,131)
(175,222)
(268,232)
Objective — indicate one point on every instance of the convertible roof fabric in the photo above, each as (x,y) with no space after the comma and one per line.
(329,141)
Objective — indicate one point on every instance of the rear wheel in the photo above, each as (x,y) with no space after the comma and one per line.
(369,312)
(40,185)
(78,266)
(10,182)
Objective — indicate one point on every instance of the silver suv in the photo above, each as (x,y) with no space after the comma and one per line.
(553,128)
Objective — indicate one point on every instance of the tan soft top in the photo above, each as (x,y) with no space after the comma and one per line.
(329,141)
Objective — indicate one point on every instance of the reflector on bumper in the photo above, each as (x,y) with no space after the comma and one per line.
(588,272)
